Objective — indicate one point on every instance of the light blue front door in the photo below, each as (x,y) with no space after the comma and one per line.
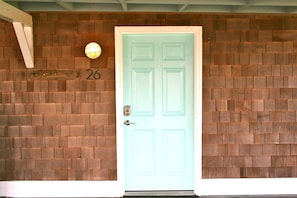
(158,88)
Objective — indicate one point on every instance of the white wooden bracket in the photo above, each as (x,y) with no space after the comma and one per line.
(24,35)
(23,27)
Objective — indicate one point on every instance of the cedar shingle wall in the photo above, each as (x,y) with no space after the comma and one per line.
(65,129)
(249,97)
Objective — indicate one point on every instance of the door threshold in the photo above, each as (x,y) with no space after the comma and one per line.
(160,193)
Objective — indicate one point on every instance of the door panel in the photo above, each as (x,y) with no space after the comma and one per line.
(174,92)
(143,166)
(173,51)
(142,91)
(142,51)
(158,85)
(174,152)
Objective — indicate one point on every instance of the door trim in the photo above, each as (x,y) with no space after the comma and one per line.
(197,32)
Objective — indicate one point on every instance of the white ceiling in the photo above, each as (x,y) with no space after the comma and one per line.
(213,6)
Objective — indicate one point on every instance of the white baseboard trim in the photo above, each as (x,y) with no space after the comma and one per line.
(272,186)
(61,189)
(247,186)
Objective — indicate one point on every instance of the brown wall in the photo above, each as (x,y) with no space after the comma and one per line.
(65,129)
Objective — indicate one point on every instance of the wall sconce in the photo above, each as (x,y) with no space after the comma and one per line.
(93,50)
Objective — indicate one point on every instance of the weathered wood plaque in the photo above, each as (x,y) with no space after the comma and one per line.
(54,75)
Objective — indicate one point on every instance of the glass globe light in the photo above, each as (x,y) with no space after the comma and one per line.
(93,50)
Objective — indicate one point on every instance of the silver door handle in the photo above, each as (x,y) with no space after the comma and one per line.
(127,122)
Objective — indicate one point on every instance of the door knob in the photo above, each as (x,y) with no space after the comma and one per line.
(127,122)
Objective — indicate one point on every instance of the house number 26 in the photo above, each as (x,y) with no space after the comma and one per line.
(93,74)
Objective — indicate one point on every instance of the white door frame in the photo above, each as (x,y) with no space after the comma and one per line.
(197,32)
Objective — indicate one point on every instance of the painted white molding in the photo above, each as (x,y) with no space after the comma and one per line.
(60,189)
(23,27)
(246,186)
(197,32)
(2,188)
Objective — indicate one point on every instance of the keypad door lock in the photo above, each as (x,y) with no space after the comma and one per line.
(127,110)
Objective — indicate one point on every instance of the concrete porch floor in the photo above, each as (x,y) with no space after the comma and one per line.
(219,196)
(249,196)
(190,194)
(212,196)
